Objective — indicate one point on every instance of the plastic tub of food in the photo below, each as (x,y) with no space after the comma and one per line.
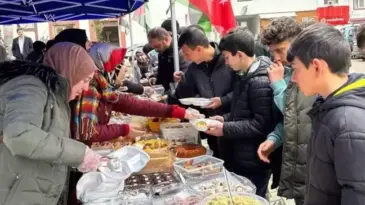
(155,123)
(136,195)
(112,176)
(199,166)
(238,199)
(136,159)
(159,89)
(217,184)
(160,161)
(179,133)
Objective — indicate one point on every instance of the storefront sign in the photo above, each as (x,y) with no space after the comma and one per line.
(334,15)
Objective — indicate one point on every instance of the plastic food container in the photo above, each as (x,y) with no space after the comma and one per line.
(183,197)
(137,195)
(136,159)
(209,153)
(179,133)
(160,161)
(199,166)
(159,89)
(155,123)
(250,199)
(216,184)
(112,177)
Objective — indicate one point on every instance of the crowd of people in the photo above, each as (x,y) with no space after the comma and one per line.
(292,111)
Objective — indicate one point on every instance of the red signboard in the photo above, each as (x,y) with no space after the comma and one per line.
(334,15)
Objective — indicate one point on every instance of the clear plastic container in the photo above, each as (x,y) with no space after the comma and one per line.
(199,166)
(216,184)
(184,197)
(179,133)
(160,161)
(136,195)
(250,199)
(159,89)
(135,158)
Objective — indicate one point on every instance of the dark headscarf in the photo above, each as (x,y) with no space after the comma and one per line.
(72,35)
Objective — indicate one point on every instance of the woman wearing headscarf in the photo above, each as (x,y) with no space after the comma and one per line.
(109,59)
(35,145)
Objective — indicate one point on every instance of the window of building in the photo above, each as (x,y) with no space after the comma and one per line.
(330,2)
(58,28)
(359,4)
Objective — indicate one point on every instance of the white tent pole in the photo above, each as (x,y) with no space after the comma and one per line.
(120,20)
(174,41)
(174,35)
(131,36)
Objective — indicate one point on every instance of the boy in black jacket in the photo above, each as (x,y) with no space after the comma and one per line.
(251,118)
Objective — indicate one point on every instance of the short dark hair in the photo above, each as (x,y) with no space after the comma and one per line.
(158,33)
(279,30)
(19,29)
(39,46)
(166,24)
(324,42)
(50,43)
(193,36)
(147,48)
(360,37)
(182,29)
(238,39)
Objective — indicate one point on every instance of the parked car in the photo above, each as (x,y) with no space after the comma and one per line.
(357,53)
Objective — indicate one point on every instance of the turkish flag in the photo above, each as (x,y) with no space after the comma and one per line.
(220,13)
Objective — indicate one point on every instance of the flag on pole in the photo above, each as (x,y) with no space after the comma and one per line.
(218,12)
(142,16)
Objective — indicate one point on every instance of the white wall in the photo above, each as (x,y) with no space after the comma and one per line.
(158,14)
(356,14)
(84,24)
(255,7)
(43,31)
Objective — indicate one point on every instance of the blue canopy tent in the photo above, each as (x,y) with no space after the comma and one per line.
(34,11)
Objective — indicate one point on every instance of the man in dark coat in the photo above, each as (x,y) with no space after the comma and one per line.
(161,41)
(22,45)
(37,54)
(251,118)
(360,37)
(206,77)
(336,150)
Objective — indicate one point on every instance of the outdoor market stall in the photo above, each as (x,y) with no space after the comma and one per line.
(166,166)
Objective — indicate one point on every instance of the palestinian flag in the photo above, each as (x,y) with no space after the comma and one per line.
(142,16)
(208,13)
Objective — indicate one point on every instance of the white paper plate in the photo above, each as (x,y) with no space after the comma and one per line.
(200,128)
